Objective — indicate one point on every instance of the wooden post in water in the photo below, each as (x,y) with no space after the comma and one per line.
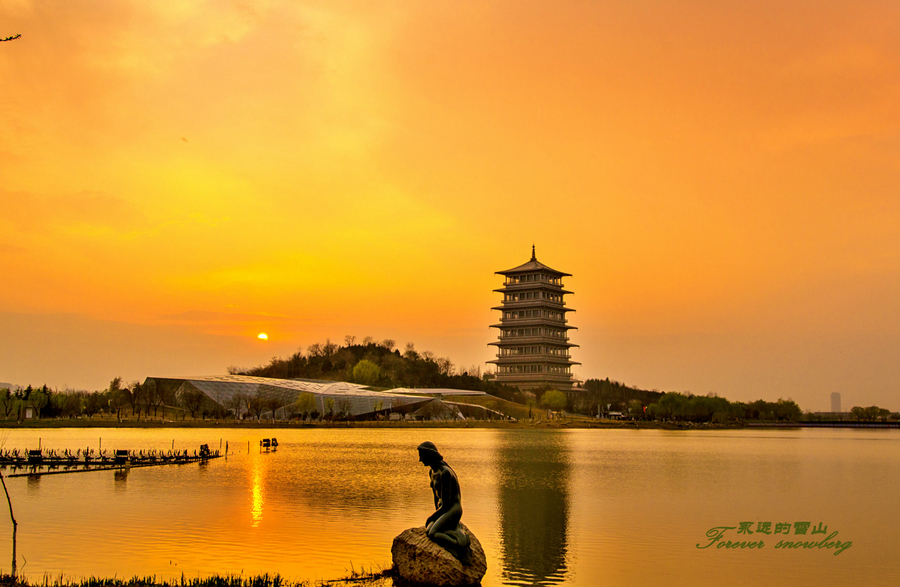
(14,524)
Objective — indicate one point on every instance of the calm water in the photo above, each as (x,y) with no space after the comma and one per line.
(576,507)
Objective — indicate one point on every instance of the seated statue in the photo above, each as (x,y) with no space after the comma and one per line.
(443,525)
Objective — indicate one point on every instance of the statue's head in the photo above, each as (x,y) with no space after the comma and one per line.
(428,453)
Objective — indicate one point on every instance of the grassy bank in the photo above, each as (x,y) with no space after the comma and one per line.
(358,579)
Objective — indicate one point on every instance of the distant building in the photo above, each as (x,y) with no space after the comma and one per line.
(836,402)
(232,392)
(533,346)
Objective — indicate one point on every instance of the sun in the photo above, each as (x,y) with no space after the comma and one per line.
(263,336)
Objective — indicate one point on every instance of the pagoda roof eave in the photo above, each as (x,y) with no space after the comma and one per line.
(533,265)
(531,303)
(527,340)
(530,285)
(532,324)
(524,359)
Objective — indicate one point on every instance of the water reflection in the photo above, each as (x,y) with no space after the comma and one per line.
(120,476)
(533,500)
(34,483)
(256,491)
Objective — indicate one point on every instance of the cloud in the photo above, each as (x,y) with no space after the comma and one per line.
(11,249)
(194,316)
(29,212)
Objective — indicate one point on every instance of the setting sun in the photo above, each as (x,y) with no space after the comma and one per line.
(263,336)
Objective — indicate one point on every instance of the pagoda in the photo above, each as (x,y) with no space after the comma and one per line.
(533,346)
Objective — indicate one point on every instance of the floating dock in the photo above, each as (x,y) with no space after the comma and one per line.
(51,462)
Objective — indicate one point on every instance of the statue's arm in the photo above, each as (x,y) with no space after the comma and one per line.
(437,501)
(448,491)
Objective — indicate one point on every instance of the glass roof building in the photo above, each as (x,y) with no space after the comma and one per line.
(353,399)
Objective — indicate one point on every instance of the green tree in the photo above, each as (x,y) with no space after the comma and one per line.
(366,372)
(636,409)
(554,399)
(305,404)
(7,402)
(93,403)
(787,409)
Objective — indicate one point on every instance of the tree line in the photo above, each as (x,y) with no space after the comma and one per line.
(119,399)
(604,396)
(378,364)
(381,364)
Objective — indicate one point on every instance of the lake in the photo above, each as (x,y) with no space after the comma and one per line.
(570,507)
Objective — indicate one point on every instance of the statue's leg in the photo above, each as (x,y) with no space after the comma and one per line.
(445,531)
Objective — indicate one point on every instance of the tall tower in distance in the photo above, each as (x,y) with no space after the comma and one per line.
(533,346)
(836,402)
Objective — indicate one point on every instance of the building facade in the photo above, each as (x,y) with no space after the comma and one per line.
(836,402)
(533,348)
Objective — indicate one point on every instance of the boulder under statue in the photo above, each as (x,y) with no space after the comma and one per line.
(443,551)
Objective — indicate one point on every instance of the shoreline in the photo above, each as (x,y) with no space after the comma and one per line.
(575,423)
(556,424)
(579,423)
(365,578)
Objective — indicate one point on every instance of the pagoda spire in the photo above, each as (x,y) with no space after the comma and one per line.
(533,257)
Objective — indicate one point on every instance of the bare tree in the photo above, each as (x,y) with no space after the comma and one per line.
(445,365)
(138,396)
(256,404)
(272,404)
(236,403)
(154,398)
(343,408)
(349,340)
(192,400)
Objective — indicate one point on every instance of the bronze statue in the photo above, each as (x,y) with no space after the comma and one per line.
(443,525)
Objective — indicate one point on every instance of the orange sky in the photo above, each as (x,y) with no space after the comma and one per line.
(720,178)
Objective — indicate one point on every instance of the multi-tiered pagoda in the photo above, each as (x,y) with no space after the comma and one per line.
(533,347)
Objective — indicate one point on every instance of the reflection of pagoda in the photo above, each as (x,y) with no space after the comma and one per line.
(533,347)
(533,502)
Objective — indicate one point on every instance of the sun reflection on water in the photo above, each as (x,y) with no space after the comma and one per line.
(256,492)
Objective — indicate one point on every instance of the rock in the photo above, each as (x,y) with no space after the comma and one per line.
(418,559)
